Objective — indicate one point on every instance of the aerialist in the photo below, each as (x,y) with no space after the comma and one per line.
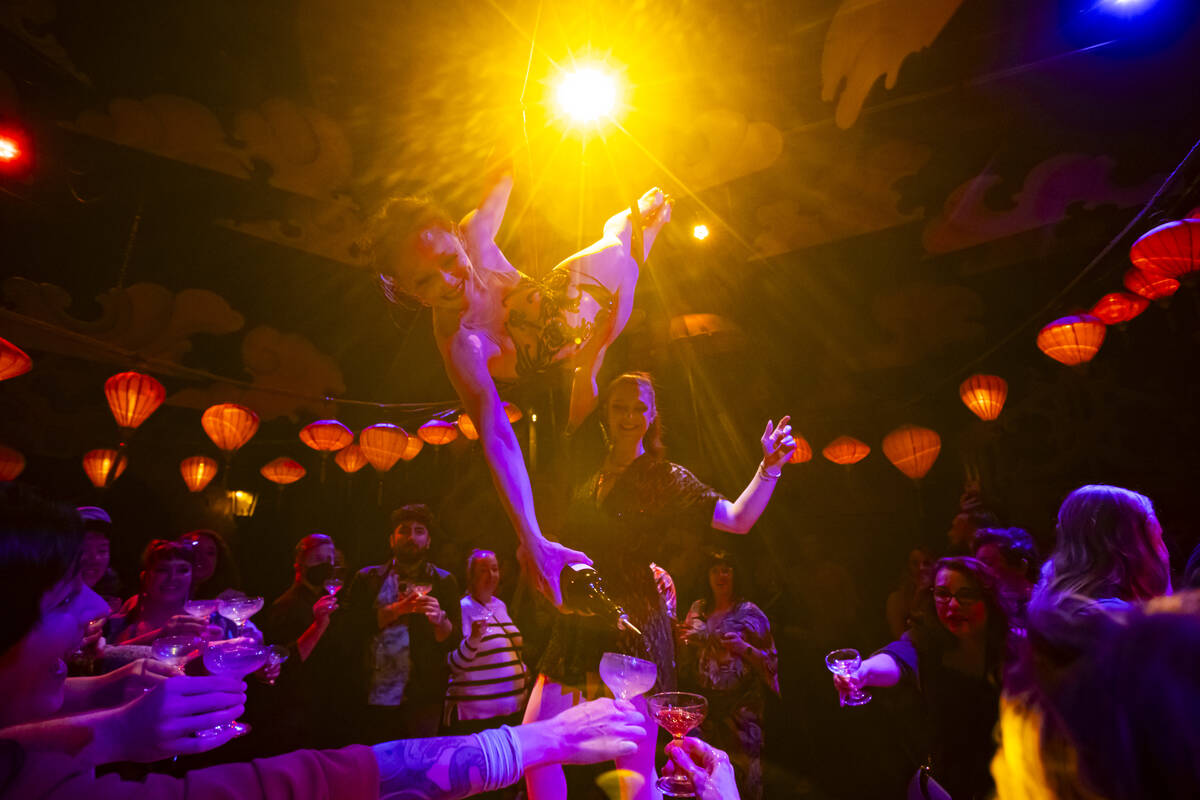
(493,322)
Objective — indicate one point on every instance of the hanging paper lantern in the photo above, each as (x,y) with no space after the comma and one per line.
(229,425)
(12,463)
(382,444)
(98,463)
(467,427)
(1150,285)
(803,451)
(512,412)
(326,435)
(412,447)
(438,431)
(846,450)
(283,471)
(1072,340)
(912,450)
(350,458)
(133,397)
(984,395)
(1172,249)
(1118,307)
(13,360)
(198,472)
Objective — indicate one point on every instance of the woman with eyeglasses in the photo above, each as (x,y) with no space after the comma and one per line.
(953,654)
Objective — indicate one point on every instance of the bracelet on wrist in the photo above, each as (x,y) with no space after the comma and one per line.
(767,475)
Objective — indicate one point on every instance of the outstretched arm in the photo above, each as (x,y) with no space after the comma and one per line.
(466,355)
(740,515)
(478,228)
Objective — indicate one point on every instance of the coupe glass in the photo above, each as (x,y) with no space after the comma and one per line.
(240,609)
(276,655)
(627,676)
(237,657)
(419,589)
(202,609)
(845,662)
(176,651)
(677,713)
(333,585)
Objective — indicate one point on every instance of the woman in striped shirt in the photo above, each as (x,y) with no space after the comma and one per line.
(487,677)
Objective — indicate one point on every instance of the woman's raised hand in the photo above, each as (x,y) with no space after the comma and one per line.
(778,443)
(544,561)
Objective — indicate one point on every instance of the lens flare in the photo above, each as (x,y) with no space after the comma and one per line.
(587,94)
(700,232)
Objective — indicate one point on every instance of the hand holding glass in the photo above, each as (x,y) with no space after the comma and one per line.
(276,655)
(677,713)
(845,662)
(237,657)
(626,676)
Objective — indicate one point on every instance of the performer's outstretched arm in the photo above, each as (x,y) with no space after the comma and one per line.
(740,515)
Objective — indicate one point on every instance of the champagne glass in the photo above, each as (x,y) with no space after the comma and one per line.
(176,651)
(845,662)
(333,585)
(237,657)
(420,589)
(276,655)
(677,713)
(240,609)
(626,676)
(202,609)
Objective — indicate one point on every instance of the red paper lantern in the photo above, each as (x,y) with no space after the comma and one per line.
(1072,340)
(229,426)
(1118,307)
(414,446)
(98,463)
(198,472)
(13,360)
(803,451)
(467,426)
(1172,249)
(912,450)
(350,458)
(133,397)
(383,444)
(846,450)
(12,463)
(326,435)
(1150,285)
(438,432)
(283,471)
(984,395)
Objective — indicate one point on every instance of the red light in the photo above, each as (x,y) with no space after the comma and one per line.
(10,149)
(16,157)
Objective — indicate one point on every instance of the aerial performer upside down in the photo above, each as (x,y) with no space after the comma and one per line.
(493,322)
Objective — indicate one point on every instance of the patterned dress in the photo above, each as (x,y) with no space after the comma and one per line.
(736,690)
(651,505)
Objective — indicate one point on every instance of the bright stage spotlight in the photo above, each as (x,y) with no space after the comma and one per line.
(700,232)
(1125,8)
(586,95)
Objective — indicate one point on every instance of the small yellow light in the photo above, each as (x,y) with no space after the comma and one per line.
(700,232)
(533,417)
(586,94)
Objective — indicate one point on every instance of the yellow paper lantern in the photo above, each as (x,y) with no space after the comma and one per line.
(383,444)
(198,472)
(512,412)
(350,458)
(438,432)
(803,451)
(984,395)
(467,426)
(846,450)
(326,435)
(98,463)
(12,463)
(1072,340)
(133,397)
(229,426)
(283,471)
(912,450)
(13,360)
(412,448)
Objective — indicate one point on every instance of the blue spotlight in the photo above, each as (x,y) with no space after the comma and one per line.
(1125,8)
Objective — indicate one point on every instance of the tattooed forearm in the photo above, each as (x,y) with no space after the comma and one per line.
(430,769)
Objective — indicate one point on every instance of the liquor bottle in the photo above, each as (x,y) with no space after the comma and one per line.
(583,593)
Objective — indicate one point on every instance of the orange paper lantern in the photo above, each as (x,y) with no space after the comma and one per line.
(350,458)
(984,395)
(1118,307)
(283,471)
(326,435)
(12,463)
(98,463)
(1150,285)
(198,472)
(512,412)
(1072,340)
(13,360)
(229,426)
(803,451)
(438,432)
(383,444)
(846,450)
(133,397)
(1172,250)
(467,426)
(412,448)
(912,450)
